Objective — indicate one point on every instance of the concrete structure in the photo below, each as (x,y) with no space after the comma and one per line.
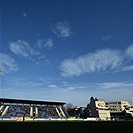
(116,110)
(117,106)
(129,112)
(98,109)
(31,108)
(120,109)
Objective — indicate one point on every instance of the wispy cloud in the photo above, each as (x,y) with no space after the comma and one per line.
(106,38)
(7,63)
(52,86)
(44,43)
(49,43)
(62,30)
(22,48)
(24,14)
(41,57)
(114,85)
(128,68)
(100,60)
(15,88)
(129,52)
(43,60)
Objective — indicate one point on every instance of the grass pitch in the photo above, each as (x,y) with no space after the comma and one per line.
(64,126)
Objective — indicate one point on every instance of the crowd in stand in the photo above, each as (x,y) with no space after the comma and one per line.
(24,111)
(45,111)
(17,111)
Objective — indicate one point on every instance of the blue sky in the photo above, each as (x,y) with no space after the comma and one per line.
(66,51)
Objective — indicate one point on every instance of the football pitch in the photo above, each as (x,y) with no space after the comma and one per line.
(63,126)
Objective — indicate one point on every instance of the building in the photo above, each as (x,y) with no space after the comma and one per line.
(99,109)
(115,110)
(120,110)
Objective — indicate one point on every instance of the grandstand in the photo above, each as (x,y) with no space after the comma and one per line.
(47,116)
(14,109)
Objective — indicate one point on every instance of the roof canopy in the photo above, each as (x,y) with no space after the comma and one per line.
(6,100)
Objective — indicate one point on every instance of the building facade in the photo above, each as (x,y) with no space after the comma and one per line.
(120,110)
(98,109)
(116,110)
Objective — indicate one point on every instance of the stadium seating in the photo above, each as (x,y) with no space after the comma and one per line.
(45,111)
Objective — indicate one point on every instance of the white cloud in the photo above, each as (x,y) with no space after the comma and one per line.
(100,60)
(45,43)
(106,38)
(24,14)
(122,69)
(97,61)
(52,86)
(22,48)
(129,52)
(49,43)
(79,97)
(40,43)
(71,88)
(62,30)
(7,63)
(47,61)
(41,57)
(77,94)
(113,85)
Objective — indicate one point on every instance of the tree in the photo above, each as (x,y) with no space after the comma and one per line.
(68,106)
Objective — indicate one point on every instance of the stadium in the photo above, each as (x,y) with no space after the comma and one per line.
(22,110)
(35,115)
(33,110)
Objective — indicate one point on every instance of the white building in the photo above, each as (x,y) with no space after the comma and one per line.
(98,109)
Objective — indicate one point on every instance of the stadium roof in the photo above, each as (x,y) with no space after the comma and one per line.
(6,100)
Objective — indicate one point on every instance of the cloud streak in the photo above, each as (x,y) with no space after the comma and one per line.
(7,63)
(114,85)
(62,30)
(106,38)
(100,60)
(128,68)
(22,48)
(129,52)
(24,14)
(45,43)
